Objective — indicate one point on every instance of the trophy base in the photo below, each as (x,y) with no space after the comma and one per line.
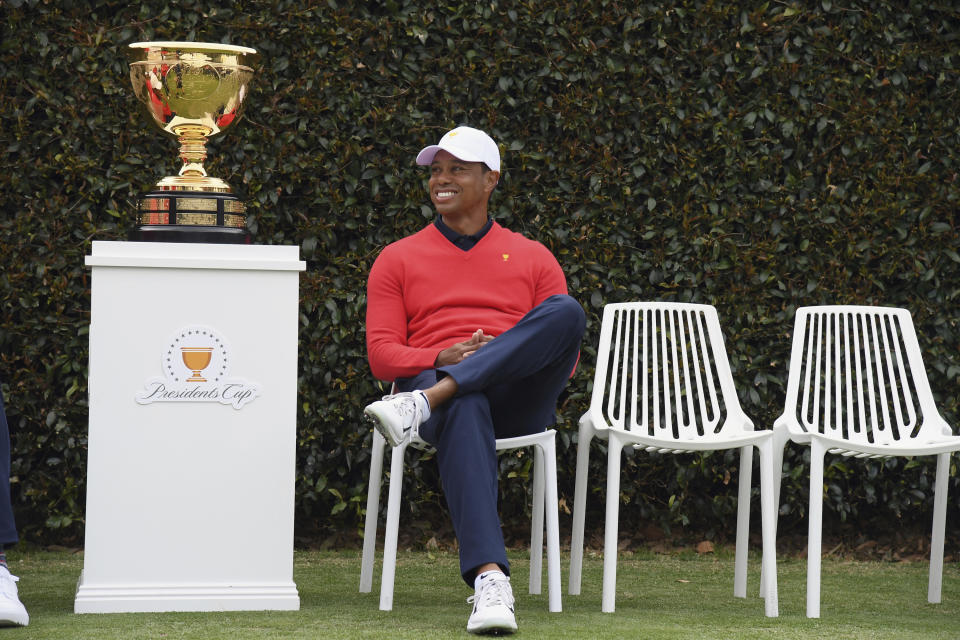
(180,233)
(170,215)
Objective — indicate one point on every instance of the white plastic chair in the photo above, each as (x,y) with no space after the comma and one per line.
(663,383)
(857,387)
(544,501)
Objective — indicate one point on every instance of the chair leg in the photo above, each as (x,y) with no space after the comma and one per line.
(780,438)
(935,584)
(743,522)
(536,528)
(817,452)
(553,526)
(768,521)
(579,506)
(373,512)
(393,521)
(611,525)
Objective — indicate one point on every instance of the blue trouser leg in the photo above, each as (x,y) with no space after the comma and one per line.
(509,387)
(467,456)
(8,527)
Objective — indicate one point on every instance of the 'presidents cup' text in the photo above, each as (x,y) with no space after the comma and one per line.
(232,392)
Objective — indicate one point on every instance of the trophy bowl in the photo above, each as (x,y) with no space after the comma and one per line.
(191,91)
(197,359)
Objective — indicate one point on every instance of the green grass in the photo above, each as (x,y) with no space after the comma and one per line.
(658,596)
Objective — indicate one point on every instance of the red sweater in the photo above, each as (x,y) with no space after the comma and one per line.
(424,294)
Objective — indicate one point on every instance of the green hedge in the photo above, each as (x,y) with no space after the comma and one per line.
(757,159)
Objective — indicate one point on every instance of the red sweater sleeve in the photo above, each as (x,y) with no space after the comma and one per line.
(390,357)
(552,281)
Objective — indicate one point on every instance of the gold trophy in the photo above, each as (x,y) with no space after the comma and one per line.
(191,90)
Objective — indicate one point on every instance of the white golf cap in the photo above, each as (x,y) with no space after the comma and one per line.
(467,144)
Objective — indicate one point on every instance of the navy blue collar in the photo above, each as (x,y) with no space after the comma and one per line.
(459,240)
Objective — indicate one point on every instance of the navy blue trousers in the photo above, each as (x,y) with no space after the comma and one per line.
(509,387)
(8,527)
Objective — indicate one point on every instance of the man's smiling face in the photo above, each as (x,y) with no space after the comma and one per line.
(458,187)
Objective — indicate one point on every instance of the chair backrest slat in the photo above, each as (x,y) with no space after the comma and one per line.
(856,374)
(662,371)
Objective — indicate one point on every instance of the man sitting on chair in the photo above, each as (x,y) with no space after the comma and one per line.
(474,325)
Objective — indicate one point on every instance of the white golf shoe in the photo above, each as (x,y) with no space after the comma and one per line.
(12,611)
(492,606)
(396,417)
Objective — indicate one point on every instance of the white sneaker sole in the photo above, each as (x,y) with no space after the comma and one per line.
(381,424)
(14,619)
(494,626)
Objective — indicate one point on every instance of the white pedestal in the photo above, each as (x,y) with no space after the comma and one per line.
(190,473)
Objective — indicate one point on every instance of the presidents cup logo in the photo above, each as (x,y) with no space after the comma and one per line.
(196,364)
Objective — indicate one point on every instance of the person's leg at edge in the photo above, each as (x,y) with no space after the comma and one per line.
(8,527)
(12,611)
